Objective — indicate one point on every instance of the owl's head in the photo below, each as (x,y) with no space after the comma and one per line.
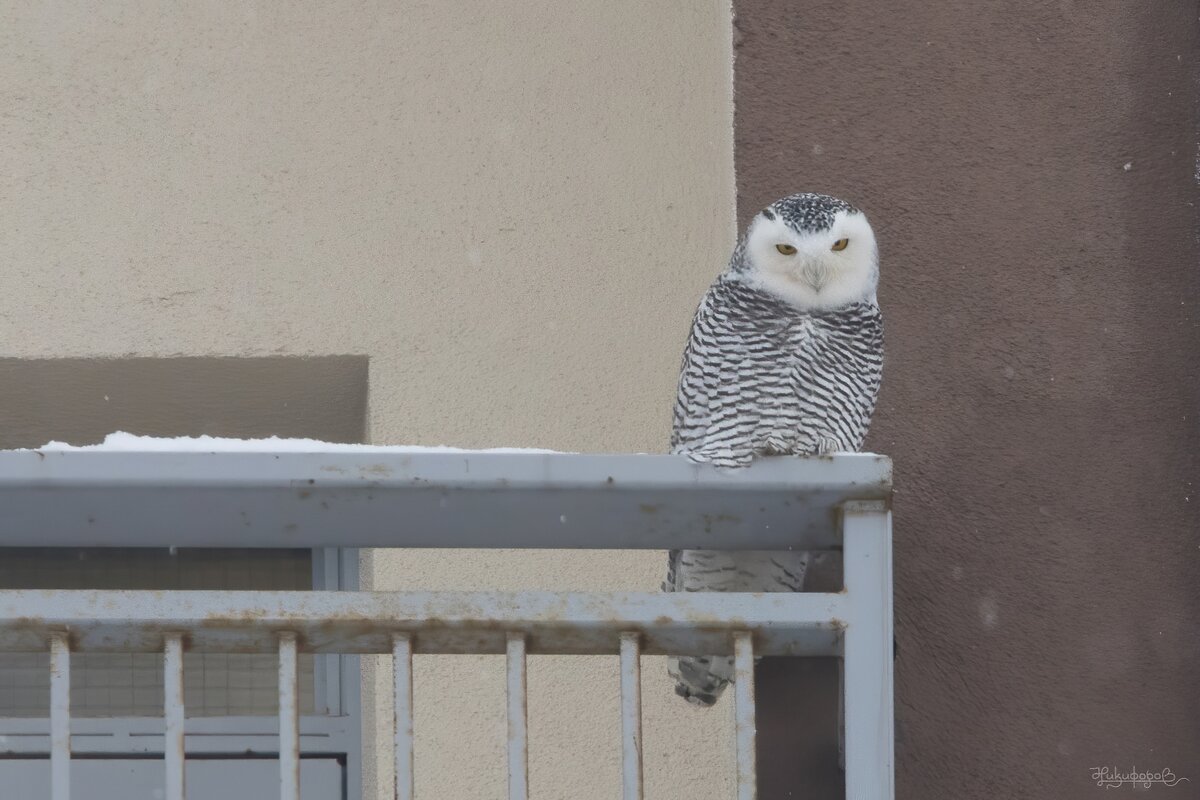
(813,251)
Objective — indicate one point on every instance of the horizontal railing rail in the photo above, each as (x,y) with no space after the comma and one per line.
(347,499)
(560,623)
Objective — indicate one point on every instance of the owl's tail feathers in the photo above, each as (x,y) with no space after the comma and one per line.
(700,679)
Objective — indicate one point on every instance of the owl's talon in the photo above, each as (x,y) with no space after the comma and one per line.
(827,446)
(776,446)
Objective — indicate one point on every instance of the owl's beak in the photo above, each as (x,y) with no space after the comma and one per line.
(815,274)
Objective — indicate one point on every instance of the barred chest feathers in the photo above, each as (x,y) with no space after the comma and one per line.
(763,377)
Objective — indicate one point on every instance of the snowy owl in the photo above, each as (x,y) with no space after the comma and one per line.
(784,358)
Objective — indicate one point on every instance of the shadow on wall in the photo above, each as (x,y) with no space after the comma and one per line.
(79,400)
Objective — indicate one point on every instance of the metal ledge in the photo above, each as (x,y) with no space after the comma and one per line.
(559,623)
(434,499)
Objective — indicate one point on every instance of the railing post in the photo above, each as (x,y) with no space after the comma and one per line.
(867,687)
(173,716)
(60,717)
(402,717)
(289,719)
(518,730)
(631,716)
(745,724)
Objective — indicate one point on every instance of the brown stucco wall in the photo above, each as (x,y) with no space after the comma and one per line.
(1030,169)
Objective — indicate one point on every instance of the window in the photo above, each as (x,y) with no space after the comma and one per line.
(231,700)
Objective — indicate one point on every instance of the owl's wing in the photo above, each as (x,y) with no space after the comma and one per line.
(836,378)
(736,384)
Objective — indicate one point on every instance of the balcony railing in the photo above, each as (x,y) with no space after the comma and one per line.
(468,500)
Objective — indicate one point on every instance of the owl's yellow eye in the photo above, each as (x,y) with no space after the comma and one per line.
(786,249)
(840,245)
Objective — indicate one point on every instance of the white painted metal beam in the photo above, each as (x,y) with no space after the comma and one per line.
(868,683)
(631,717)
(289,718)
(60,716)
(567,623)
(173,716)
(332,499)
(518,719)
(745,718)
(402,717)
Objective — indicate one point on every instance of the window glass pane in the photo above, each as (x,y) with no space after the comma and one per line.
(131,684)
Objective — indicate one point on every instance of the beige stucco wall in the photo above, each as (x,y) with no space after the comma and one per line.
(510,209)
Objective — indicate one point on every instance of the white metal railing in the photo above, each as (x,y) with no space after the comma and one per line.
(842,501)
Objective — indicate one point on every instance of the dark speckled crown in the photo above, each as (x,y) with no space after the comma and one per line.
(807,212)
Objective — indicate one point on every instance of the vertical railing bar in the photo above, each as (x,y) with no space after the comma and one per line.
(518,733)
(60,717)
(631,716)
(841,712)
(289,720)
(403,716)
(744,716)
(173,715)
(867,651)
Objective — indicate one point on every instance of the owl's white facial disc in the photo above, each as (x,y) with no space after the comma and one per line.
(815,276)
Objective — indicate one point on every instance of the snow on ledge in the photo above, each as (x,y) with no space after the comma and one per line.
(131,443)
